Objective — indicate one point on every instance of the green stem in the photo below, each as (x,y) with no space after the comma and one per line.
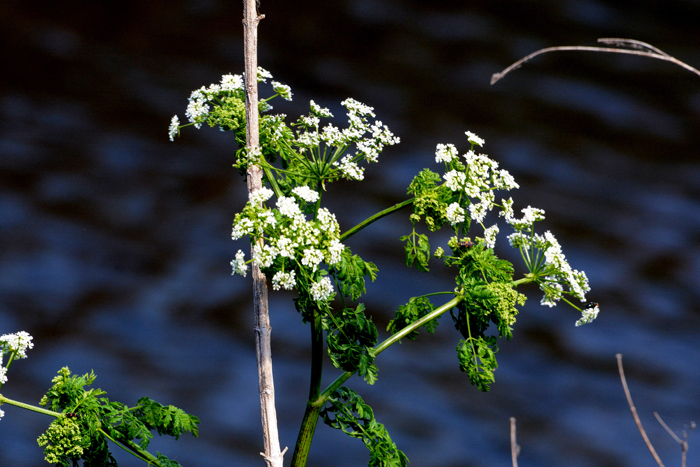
(308,424)
(314,406)
(415,325)
(33,408)
(133,449)
(375,218)
(525,280)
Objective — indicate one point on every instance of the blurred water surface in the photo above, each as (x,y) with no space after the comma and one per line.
(115,242)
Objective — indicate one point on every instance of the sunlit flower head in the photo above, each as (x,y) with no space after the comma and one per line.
(322,290)
(306,193)
(455,214)
(238,264)
(475,139)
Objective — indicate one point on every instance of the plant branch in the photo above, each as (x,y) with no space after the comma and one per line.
(375,218)
(683,442)
(649,51)
(634,411)
(314,407)
(514,448)
(33,408)
(272,454)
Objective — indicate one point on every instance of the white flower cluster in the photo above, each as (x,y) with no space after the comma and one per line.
(557,268)
(455,214)
(201,100)
(445,153)
(478,181)
(369,138)
(588,314)
(290,237)
(238,264)
(322,290)
(475,139)
(490,236)
(306,193)
(17,343)
(283,90)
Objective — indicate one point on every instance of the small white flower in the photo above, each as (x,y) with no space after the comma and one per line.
(530,216)
(263,75)
(174,128)
(475,139)
(490,236)
(519,240)
(306,193)
(265,255)
(588,314)
(455,214)
(322,290)
(355,107)
(319,111)
(283,90)
(238,264)
(455,180)
(507,211)
(268,219)
(197,110)
(311,120)
(349,169)
(284,280)
(19,342)
(312,258)
(241,228)
(2,413)
(328,221)
(445,153)
(285,247)
(259,196)
(332,136)
(308,139)
(231,82)
(288,207)
(335,250)
(477,212)
(3,375)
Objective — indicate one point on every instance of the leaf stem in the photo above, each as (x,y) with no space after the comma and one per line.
(375,218)
(33,408)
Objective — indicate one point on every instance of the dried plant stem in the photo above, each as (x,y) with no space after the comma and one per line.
(273,456)
(683,442)
(647,51)
(634,411)
(514,448)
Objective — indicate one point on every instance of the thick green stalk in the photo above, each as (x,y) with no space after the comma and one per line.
(375,218)
(314,406)
(33,408)
(308,424)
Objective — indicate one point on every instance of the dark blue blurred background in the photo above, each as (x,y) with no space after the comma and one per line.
(116,243)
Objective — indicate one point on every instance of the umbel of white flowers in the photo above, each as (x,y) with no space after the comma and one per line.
(16,344)
(296,245)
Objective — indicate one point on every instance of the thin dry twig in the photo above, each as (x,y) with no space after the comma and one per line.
(642,49)
(514,448)
(683,442)
(634,411)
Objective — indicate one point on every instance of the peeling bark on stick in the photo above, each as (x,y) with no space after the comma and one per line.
(272,455)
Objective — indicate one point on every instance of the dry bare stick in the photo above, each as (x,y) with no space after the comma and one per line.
(683,442)
(273,456)
(514,448)
(634,411)
(646,51)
